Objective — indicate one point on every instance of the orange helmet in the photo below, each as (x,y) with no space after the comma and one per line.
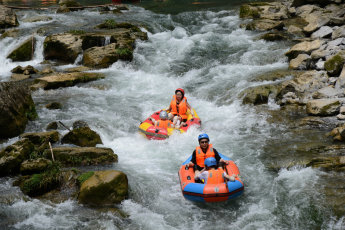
(181,90)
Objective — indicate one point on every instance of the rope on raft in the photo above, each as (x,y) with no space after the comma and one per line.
(47,8)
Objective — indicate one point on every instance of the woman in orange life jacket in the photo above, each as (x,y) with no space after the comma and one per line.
(202,152)
(163,121)
(211,174)
(178,108)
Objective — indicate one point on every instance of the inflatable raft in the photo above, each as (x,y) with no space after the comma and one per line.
(200,192)
(148,129)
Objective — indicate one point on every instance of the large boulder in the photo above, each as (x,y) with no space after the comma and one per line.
(84,137)
(104,188)
(264,10)
(315,21)
(76,156)
(258,95)
(17,107)
(58,80)
(12,156)
(24,52)
(8,18)
(62,47)
(103,57)
(323,107)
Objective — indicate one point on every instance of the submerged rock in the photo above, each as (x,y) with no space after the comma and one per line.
(258,95)
(336,163)
(80,156)
(104,188)
(54,105)
(17,107)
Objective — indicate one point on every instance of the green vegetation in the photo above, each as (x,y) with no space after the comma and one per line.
(77,32)
(83,177)
(123,51)
(24,52)
(108,24)
(248,12)
(39,184)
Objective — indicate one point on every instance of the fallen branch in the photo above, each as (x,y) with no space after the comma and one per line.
(51,150)
(64,126)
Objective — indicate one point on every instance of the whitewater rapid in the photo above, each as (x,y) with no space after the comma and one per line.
(213,59)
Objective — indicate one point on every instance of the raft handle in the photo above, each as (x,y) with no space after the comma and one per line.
(188,177)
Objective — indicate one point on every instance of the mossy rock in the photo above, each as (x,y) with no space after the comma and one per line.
(42,137)
(273,37)
(104,188)
(24,52)
(334,65)
(53,125)
(84,137)
(54,105)
(246,11)
(82,156)
(83,177)
(32,166)
(39,184)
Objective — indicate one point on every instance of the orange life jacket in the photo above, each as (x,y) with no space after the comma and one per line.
(201,156)
(164,124)
(215,176)
(179,109)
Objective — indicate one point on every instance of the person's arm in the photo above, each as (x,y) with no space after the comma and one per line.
(193,160)
(217,156)
(230,178)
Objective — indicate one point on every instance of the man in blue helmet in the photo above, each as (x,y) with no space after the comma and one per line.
(202,152)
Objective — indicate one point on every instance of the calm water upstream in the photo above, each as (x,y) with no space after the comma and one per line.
(201,48)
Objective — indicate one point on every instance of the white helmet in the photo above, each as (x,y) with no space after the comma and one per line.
(163,114)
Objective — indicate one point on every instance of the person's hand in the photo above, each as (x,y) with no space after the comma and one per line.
(222,161)
(190,164)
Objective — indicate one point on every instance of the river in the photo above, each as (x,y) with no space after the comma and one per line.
(204,51)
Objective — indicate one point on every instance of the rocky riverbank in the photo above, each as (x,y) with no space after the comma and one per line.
(42,161)
(311,93)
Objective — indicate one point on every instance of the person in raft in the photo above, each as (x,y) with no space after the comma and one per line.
(211,174)
(178,108)
(163,121)
(202,152)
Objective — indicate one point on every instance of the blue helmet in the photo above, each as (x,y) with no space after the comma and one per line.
(211,161)
(203,136)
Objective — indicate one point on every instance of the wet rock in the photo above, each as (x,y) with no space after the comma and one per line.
(264,10)
(336,163)
(32,166)
(47,70)
(275,36)
(58,80)
(334,65)
(24,52)
(77,69)
(265,25)
(258,95)
(17,107)
(323,107)
(8,18)
(52,126)
(83,136)
(24,70)
(39,18)
(79,124)
(103,57)
(42,137)
(303,48)
(63,9)
(12,156)
(54,105)
(19,77)
(301,62)
(69,3)
(10,33)
(289,98)
(81,156)
(62,47)
(104,188)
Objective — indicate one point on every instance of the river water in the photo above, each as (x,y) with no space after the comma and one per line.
(206,53)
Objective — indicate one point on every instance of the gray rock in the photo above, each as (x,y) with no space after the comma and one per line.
(328,92)
(324,31)
(301,62)
(341,80)
(303,47)
(320,65)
